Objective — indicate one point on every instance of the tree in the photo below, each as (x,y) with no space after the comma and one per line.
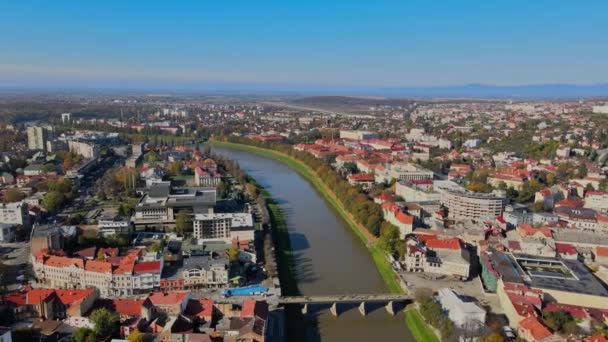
(233,254)
(135,336)
(389,238)
(582,171)
(175,168)
(550,179)
(537,207)
(100,255)
(52,201)
(104,322)
(603,185)
(151,157)
(83,335)
(181,223)
(560,321)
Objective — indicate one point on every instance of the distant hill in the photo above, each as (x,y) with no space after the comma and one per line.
(492,91)
(348,101)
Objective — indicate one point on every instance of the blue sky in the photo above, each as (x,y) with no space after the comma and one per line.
(313,43)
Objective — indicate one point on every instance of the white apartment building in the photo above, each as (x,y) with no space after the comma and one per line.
(223,227)
(596,200)
(111,225)
(403,172)
(461,312)
(36,137)
(14,213)
(358,135)
(87,150)
(471,205)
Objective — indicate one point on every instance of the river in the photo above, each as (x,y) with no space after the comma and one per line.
(329,258)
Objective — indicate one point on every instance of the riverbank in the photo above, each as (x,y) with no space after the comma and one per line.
(379,257)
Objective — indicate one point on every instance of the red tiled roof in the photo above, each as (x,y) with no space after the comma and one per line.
(199,308)
(57,261)
(172,298)
(570,202)
(535,328)
(601,251)
(35,296)
(575,311)
(527,230)
(98,266)
(565,248)
(248,308)
(596,338)
(72,296)
(147,267)
(127,307)
(15,298)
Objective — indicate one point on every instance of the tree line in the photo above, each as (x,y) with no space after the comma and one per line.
(360,206)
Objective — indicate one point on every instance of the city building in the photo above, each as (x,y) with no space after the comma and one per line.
(461,312)
(206,178)
(14,213)
(471,205)
(111,224)
(223,227)
(125,275)
(86,149)
(397,217)
(358,135)
(434,255)
(159,207)
(66,118)
(37,137)
(403,172)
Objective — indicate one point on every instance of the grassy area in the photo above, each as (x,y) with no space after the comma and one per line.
(419,328)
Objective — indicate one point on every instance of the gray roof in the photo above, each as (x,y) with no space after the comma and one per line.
(581,282)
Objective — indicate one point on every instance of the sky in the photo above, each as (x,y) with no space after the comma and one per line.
(303,43)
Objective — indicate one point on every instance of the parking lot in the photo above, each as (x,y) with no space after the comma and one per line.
(15,257)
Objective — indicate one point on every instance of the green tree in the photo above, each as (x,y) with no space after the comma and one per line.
(182,224)
(52,201)
(83,335)
(389,238)
(175,168)
(104,322)
(151,157)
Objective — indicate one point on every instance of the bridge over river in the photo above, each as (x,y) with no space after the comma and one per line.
(393,302)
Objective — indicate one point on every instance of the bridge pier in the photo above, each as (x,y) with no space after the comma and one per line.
(390,308)
(305,309)
(363,309)
(334,309)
